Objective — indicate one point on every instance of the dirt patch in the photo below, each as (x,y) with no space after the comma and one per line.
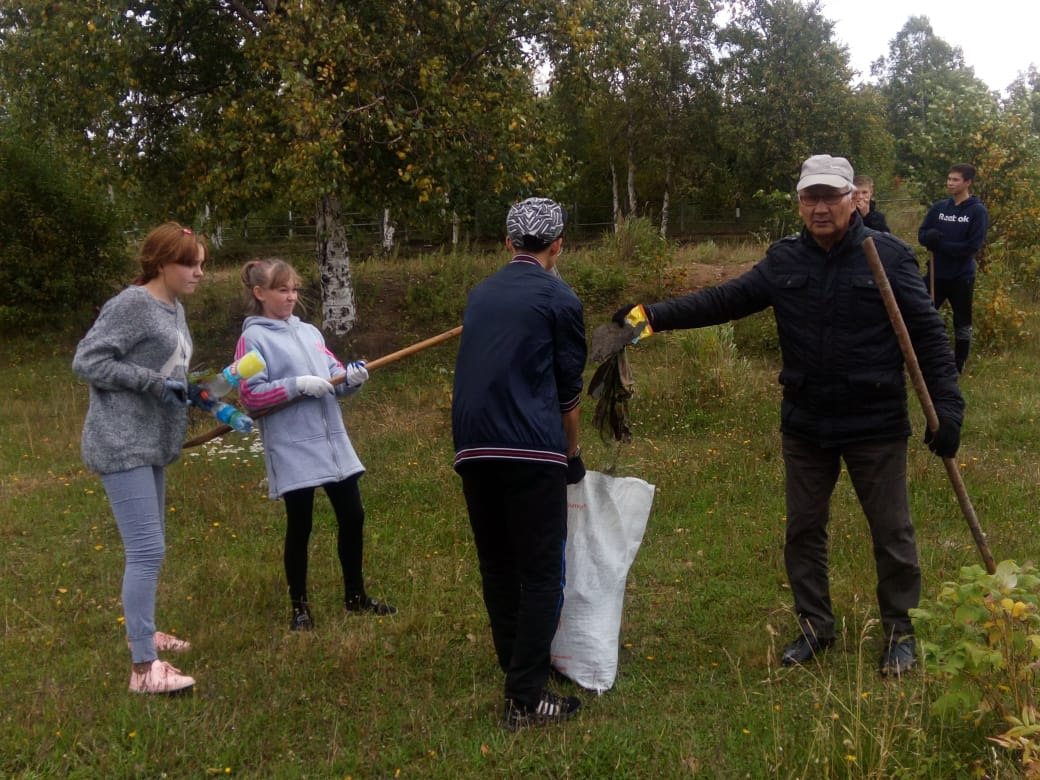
(700,276)
(379,330)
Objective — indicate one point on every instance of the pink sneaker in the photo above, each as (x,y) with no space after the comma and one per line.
(161,677)
(170,643)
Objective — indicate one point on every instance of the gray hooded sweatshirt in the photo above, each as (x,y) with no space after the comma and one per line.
(306,443)
(136,342)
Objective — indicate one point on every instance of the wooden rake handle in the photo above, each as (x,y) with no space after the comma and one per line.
(386,360)
(931,418)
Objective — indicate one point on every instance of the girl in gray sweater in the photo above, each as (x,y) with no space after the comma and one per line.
(305,444)
(136,358)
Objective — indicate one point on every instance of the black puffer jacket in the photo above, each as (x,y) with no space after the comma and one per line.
(875,220)
(842,366)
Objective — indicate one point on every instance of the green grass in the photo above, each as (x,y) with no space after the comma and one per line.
(698,693)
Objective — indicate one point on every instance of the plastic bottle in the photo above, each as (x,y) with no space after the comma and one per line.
(227,380)
(229,415)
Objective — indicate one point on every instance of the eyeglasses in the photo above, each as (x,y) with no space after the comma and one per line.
(831,198)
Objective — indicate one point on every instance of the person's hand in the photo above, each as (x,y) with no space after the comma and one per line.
(357,374)
(575,468)
(933,238)
(946,440)
(195,397)
(174,392)
(313,386)
(633,315)
(619,316)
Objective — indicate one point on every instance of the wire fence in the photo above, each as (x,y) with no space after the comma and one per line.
(586,222)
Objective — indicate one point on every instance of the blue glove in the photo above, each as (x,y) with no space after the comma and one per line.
(195,396)
(933,238)
(174,392)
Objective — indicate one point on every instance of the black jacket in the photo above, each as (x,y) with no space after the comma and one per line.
(875,220)
(519,366)
(842,368)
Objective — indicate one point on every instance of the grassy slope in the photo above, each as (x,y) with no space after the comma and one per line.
(698,692)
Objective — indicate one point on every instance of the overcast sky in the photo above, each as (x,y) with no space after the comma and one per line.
(998,37)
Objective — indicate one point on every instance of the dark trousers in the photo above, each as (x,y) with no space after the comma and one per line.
(518,513)
(878,473)
(961,294)
(345,498)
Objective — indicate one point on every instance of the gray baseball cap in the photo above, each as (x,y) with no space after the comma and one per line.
(535,223)
(822,169)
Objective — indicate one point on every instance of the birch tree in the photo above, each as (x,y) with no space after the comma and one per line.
(383,103)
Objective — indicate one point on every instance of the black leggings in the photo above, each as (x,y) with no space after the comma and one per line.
(345,498)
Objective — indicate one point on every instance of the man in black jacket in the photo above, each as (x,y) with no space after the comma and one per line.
(844,395)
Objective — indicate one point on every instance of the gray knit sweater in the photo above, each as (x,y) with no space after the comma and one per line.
(136,342)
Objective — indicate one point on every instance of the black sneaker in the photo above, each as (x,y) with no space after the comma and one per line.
(551,708)
(301,619)
(899,657)
(804,649)
(364,604)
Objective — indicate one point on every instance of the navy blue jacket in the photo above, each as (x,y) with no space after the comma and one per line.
(842,368)
(963,231)
(519,366)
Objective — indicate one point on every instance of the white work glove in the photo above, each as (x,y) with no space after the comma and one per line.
(357,374)
(313,386)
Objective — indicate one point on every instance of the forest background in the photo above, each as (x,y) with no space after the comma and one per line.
(390,125)
(430,118)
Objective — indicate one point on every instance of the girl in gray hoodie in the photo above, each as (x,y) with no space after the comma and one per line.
(136,358)
(305,443)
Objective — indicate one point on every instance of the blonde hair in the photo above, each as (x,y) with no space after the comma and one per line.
(267,273)
(168,243)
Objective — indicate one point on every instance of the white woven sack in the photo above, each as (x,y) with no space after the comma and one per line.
(606,518)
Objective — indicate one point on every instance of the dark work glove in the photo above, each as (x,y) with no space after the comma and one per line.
(575,469)
(619,316)
(174,392)
(933,238)
(195,396)
(945,441)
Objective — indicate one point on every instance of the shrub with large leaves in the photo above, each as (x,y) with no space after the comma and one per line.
(981,637)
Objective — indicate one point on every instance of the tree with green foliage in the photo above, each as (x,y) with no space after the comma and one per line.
(115,86)
(233,104)
(785,93)
(60,241)
(632,102)
(381,104)
(934,101)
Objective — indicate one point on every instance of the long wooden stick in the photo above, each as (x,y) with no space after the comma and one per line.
(931,418)
(386,360)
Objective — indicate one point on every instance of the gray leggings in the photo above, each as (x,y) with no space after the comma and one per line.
(137,497)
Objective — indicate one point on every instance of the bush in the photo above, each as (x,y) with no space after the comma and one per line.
(60,244)
(638,248)
(998,323)
(597,284)
(982,638)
